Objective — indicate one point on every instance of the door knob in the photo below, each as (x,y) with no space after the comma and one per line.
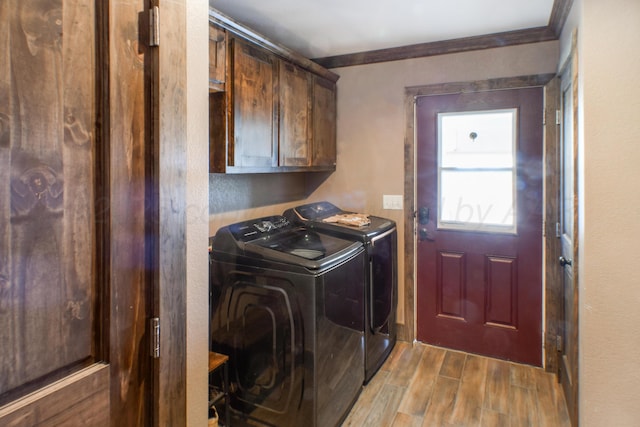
(423,234)
(563,261)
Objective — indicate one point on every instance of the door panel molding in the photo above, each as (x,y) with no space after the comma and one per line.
(79,399)
(451,284)
(501,279)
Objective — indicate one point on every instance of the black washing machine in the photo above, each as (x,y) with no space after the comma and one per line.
(381,289)
(286,306)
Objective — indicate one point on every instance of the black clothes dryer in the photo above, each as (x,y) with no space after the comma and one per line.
(286,306)
(381,289)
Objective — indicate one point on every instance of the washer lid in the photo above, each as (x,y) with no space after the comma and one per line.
(275,238)
(316,211)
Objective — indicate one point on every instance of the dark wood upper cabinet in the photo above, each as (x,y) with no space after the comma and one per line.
(307,119)
(253,124)
(243,119)
(324,123)
(295,122)
(275,110)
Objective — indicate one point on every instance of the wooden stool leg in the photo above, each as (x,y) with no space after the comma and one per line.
(225,387)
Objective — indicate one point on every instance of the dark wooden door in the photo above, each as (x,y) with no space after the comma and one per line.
(74,214)
(568,322)
(479,193)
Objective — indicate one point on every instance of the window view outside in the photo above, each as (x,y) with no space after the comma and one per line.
(477,170)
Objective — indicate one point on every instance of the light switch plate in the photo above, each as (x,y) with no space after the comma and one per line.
(392,201)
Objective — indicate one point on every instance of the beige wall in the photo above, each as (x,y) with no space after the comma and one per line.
(609,272)
(371,121)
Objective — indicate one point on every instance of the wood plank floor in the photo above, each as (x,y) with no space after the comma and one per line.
(425,386)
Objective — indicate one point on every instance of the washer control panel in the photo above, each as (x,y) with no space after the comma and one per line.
(257,228)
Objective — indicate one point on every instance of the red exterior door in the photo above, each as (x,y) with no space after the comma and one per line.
(479,250)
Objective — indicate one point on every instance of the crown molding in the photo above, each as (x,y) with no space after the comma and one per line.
(558,17)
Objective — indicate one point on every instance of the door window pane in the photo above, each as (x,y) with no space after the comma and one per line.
(477,198)
(477,170)
(477,139)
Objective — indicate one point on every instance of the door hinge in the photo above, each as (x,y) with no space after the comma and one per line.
(558,231)
(154,327)
(558,117)
(154,26)
(559,343)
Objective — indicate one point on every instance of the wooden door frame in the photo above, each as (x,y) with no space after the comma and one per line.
(552,271)
(163,150)
(164,144)
(159,74)
(168,81)
(406,331)
(568,71)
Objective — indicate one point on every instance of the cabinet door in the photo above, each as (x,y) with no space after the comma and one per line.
(295,116)
(324,122)
(217,58)
(253,133)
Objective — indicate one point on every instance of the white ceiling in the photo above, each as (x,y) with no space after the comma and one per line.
(321,28)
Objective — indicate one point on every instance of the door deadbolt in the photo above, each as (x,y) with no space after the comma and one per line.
(423,215)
